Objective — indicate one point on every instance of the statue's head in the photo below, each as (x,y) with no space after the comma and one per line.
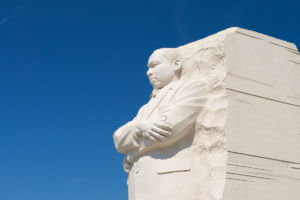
(164,66)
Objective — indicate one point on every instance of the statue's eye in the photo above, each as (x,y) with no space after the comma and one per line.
(153,64)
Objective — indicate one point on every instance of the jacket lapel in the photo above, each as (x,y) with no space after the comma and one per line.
(155,103)
(157,99)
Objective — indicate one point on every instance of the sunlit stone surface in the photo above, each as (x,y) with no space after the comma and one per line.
(223,122)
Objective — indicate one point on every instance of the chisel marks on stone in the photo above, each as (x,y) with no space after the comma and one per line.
(263,157)
(251,176)
(249,79)
(295,166)
(282,46)
(250,167)
(237,179)
(243,101)
(295,52)
(298,63)
(249,35)
(254,95)
(274,175)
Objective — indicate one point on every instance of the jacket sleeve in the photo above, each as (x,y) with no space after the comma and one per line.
(125,138)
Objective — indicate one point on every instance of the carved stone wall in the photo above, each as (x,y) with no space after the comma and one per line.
(205,59)
(234,116)
(263,121)
(255,106)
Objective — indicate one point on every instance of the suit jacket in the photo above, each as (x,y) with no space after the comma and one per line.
(165,170)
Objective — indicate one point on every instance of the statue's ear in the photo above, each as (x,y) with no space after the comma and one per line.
(177,65)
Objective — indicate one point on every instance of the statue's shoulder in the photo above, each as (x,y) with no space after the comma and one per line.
(191,84)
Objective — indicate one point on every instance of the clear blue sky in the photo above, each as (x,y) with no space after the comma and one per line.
(71,72)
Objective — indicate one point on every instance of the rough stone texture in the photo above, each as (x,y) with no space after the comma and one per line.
(263,117)
(245,143)
(205,59)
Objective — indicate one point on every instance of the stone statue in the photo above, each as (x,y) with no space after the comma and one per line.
(222,122)
(158,143)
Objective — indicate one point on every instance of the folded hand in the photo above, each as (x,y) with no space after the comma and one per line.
(157,131)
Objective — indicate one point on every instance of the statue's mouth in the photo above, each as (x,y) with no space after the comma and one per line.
(153,79)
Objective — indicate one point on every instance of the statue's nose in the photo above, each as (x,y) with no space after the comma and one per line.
(149,72)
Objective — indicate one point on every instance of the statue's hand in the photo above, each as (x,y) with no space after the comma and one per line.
(157,131)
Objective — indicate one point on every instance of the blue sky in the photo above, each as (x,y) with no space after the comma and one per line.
(71,72)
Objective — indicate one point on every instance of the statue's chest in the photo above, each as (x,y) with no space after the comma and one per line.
(151,110)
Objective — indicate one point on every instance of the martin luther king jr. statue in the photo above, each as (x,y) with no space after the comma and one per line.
(170,147)
(237,82)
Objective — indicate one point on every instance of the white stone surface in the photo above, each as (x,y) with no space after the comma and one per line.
(237,82)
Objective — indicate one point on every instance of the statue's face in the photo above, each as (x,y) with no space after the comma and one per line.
(160,71)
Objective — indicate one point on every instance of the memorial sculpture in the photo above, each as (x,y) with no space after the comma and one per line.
(222,122)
